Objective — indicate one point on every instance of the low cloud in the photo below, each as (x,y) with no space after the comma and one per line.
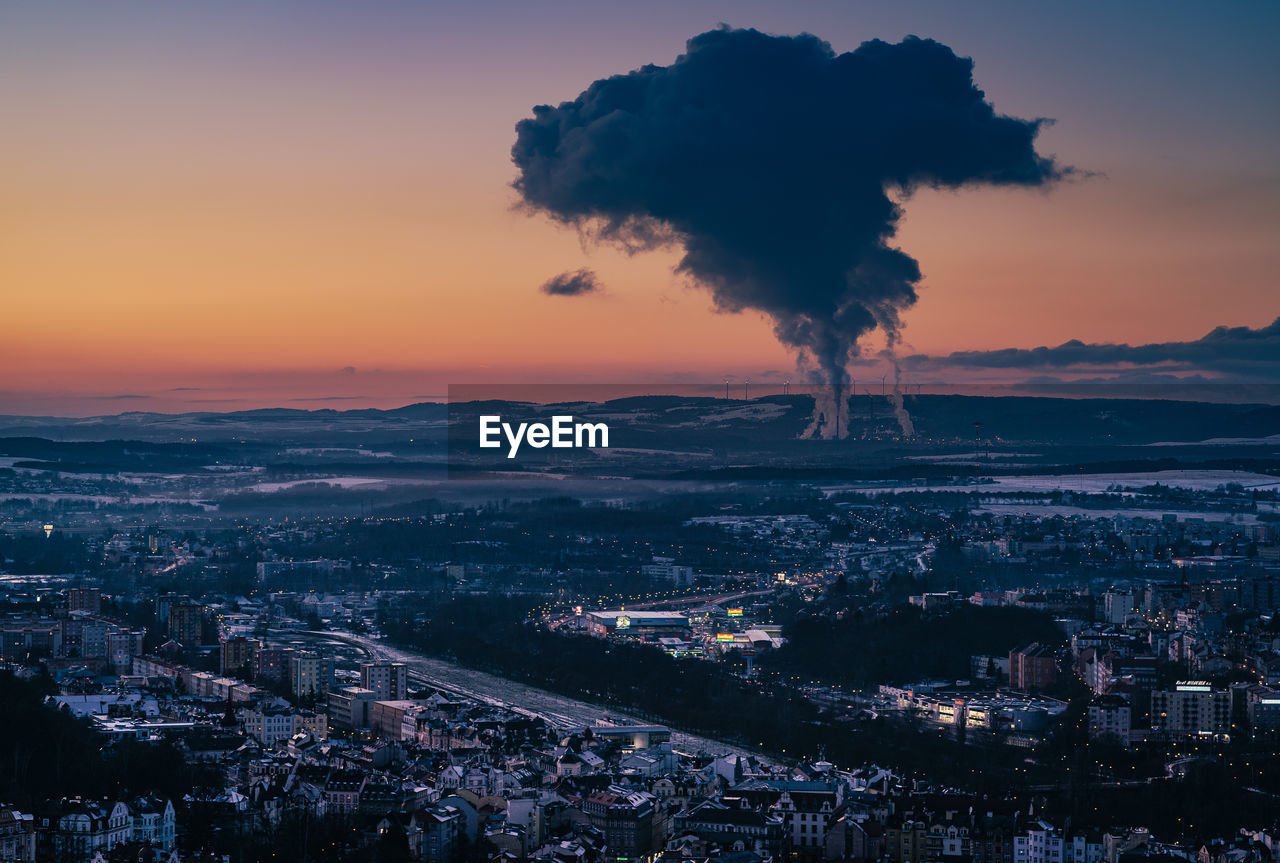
(575,283)
(328,399)
(1239,350)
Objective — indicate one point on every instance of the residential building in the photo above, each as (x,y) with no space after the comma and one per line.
(349,707)
(154,822)
(236,655)
(86,599)
(1110,718)
(86,827)
(17,836)
(310,674)
(186,620)
(389,681)
(1033,667)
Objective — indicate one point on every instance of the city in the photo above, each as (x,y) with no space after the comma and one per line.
(1019,669)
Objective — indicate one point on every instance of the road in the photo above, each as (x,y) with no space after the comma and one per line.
(558,710)
(715,599)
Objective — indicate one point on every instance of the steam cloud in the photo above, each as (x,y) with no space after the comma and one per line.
(770,160)
(898,403)
(572,284)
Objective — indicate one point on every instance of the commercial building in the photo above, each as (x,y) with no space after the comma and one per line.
(989,710)
(636,624)
(1192,707)
(632,737)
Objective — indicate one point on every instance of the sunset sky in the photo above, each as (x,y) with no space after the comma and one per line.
(309,204)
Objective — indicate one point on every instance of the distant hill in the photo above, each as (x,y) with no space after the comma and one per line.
(712,423)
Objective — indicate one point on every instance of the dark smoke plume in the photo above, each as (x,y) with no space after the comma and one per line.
(572,284)
(771,160)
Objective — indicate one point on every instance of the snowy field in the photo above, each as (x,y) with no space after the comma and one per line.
(970,457)
(1225,441)
(102,499)
(1197,480)
(338,450)
(339,481)
(751,412)
(1094,483)
(1048,510)
(624,450)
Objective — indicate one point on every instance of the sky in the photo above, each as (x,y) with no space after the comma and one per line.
(310,204)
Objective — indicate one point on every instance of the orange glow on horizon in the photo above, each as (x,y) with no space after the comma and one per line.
(229,212)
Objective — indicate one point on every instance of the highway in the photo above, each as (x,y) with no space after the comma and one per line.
(717,599)
(558,710)
(699,601)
